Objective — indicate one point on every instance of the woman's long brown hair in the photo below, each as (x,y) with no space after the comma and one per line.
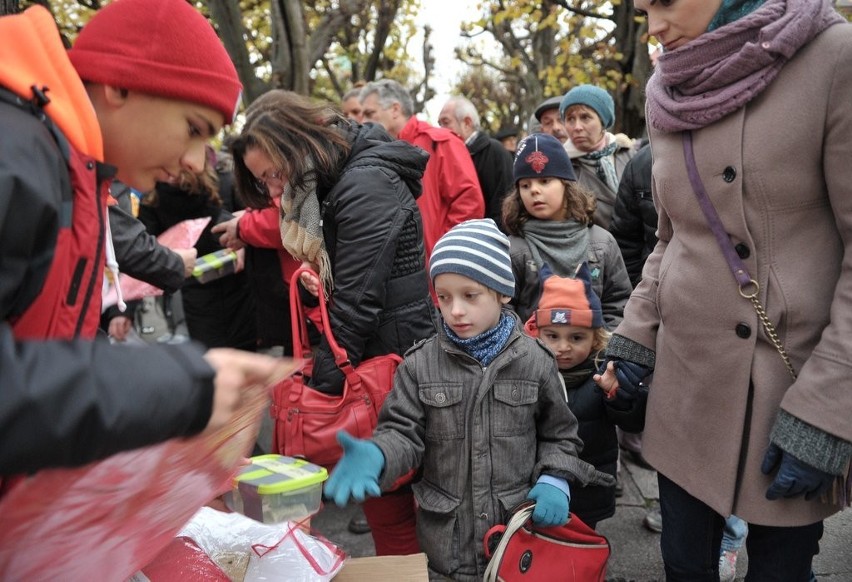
(290,129)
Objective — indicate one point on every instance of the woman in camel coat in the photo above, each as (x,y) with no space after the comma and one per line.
(727,427)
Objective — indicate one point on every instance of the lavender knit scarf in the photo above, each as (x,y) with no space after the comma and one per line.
(722,70)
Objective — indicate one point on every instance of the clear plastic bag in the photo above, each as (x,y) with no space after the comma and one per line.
(271,551)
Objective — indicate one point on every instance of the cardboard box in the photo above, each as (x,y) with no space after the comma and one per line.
(385,569)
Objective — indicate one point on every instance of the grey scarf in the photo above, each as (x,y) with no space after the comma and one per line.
(604,165)
(562,244)
(301,226)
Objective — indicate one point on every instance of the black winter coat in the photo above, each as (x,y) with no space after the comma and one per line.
(373,233)
(596,427)
(634,220)
(219,313)
(493,165)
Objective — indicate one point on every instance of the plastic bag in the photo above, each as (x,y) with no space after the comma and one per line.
(182,560)
(183,235)
(231,539)
(108,519)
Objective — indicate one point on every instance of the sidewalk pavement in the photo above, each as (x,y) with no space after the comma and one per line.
(635,550)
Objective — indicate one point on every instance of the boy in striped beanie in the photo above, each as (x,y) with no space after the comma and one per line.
(472,275)
(480,394)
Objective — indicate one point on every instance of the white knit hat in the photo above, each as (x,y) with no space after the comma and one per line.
(477,250)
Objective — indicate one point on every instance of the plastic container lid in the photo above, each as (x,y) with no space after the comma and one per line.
(272,474)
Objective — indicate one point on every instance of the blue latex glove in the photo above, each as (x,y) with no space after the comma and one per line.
(357,473)
(551,505)
(631,386)
(794,477)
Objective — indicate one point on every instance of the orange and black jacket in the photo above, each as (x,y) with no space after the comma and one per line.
(65,399)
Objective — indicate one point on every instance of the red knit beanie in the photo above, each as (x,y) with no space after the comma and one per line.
(568,301)
(159,47)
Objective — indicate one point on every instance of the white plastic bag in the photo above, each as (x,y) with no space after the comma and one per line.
(274,552)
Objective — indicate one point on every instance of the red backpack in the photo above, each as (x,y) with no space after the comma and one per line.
(573,552)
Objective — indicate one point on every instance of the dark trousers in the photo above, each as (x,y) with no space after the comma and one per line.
(692,536)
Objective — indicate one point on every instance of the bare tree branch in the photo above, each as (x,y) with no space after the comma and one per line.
(582,11)
(228,19)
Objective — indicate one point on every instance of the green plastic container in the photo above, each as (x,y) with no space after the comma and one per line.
(275,488)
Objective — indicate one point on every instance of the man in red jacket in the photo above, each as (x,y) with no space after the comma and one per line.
(451,192)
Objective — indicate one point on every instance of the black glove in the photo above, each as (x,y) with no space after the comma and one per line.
(794,476)
(631,386)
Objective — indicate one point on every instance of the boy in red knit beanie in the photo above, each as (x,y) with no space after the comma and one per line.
(569,321)
(144,88)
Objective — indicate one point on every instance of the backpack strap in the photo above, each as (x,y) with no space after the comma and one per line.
(35,107)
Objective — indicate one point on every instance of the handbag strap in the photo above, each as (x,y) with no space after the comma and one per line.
(748,287)
(516,522)
(300,330)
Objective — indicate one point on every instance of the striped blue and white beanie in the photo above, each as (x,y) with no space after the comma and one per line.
(478,250)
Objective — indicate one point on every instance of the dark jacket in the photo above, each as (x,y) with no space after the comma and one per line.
(374,237)
(493,165)
(66,403)
(138,253)
(219,313)
(634,219)
(596,428)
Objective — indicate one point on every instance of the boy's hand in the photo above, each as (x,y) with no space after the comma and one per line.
(188,257)
(239,374)
(551,505)
(357,473)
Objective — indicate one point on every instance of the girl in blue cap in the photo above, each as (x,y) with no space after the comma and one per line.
(549,219)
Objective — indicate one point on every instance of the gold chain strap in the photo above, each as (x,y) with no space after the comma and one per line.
(771,333)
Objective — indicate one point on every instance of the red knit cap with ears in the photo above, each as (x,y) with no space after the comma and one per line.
(568,301)
(159,47)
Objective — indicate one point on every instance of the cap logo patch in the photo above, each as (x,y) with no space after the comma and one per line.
(559,316)
(538,161)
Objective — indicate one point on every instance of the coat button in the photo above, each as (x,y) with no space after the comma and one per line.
(743,330)
(483,515)
(729,175)
(440,398)
(90,165)
(743,251)
(515,394)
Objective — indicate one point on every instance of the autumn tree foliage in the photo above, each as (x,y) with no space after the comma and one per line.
(319,48)
(541,48)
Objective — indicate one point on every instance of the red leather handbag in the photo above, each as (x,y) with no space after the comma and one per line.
(306,421)
(573,552)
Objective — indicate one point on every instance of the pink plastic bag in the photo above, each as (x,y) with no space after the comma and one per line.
(108,519)
(183,235)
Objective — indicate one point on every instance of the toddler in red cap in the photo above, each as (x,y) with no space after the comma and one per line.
(570,322)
